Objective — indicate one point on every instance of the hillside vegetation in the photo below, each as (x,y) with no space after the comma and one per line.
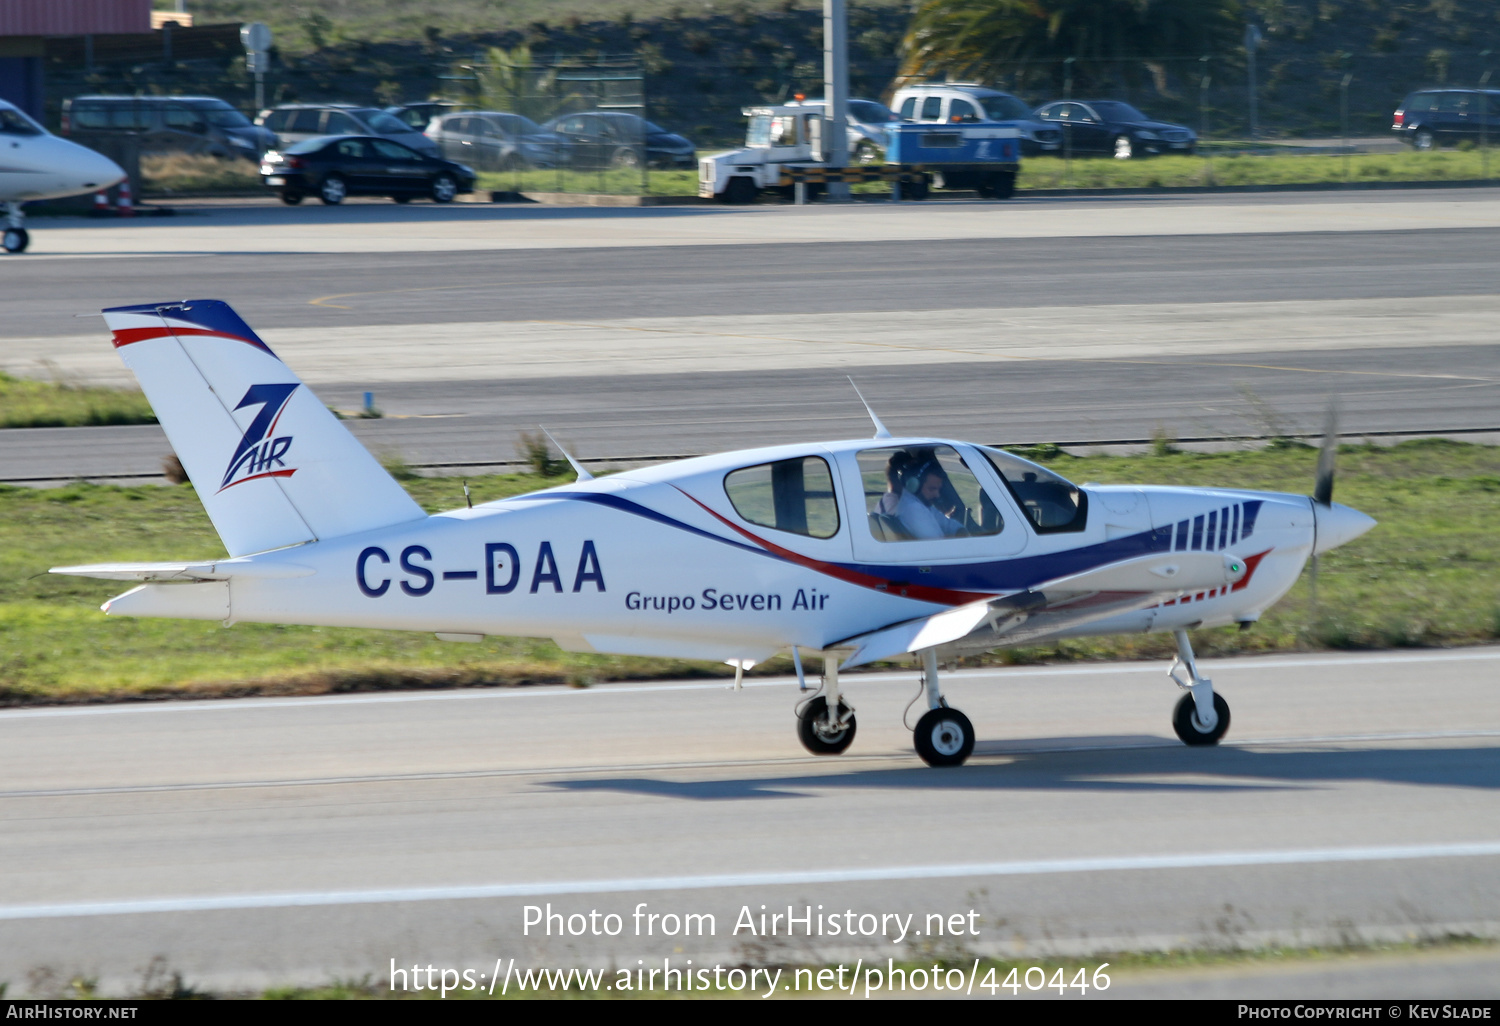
(703,62)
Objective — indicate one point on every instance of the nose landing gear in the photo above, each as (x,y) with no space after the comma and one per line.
(1201,717)
(820,732)
(16,238)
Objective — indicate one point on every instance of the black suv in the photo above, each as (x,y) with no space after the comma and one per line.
(1430,118)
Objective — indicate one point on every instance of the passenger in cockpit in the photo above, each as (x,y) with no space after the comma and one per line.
(919,504)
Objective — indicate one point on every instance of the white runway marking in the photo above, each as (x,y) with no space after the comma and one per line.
(1040,867)
(901,678)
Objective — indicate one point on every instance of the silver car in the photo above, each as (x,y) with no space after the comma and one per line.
(297,122)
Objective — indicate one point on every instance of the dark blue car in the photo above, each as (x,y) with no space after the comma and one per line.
(1430,118)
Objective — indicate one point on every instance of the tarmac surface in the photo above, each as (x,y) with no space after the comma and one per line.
(272,841)
(1188,316)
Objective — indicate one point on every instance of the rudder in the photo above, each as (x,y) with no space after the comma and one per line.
(271,463)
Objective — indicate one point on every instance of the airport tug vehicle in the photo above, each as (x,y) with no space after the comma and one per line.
(856,551)
(785,153)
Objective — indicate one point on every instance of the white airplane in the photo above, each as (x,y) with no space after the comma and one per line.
(863,550)
(36,165)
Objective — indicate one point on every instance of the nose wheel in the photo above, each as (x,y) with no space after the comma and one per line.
(16,238)
(822,734)
(1202,716)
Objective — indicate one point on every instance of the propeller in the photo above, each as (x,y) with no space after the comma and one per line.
(1323,487)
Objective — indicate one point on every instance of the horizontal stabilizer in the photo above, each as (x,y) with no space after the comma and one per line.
(220,570)
(1054,605)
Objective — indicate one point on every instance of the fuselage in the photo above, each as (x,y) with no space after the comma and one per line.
(36,165)
(687,559)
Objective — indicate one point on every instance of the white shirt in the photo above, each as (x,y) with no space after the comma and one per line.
(923,521)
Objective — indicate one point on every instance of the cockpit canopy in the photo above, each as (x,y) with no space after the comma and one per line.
(1051,501)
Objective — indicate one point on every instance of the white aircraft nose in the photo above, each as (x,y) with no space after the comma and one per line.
(1338,524)
(98,172)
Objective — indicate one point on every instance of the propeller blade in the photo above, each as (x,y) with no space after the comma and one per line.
(1323,486)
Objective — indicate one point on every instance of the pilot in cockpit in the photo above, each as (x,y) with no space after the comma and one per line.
(915,490)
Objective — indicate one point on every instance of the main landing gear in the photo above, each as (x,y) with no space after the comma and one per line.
(1201,717)
(16,238)
(943,736)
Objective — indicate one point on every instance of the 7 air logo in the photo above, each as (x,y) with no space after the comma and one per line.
(261,453)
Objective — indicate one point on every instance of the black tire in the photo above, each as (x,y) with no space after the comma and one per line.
(812,728)
(627,157)
(944,737)
(1004,185)
(333,191)
(444,188)
(740,191)
(917,190)
(1185,719)
(291,197)
(402,197)
(1124,147)
(16,240)
(1424,139)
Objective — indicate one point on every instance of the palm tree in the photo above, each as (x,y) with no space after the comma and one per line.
(1029,38)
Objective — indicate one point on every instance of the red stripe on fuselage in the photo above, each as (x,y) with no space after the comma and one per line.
(920,592)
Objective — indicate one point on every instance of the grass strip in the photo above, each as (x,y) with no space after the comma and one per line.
(1426,576)
(27,403)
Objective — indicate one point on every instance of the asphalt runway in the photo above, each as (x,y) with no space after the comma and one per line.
(243,843)
(1179,318)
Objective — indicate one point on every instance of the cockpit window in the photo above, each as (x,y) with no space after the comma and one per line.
(1051,502)
(13,122)
(925,492)
(760,131)
(793,495)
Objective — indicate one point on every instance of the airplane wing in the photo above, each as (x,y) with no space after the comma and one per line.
(210,570)
(1052,605)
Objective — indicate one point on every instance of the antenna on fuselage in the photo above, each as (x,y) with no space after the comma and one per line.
(880,431)
(583,475)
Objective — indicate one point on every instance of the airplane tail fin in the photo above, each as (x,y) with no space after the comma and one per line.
(271,464)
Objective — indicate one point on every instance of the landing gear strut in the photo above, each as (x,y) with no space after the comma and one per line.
(944,736)
(820,732)
(1201,717)
(16,238)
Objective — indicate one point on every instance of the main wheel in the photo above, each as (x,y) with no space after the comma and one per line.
(1185,721)
(402,197)
(444,188)
(944,737)
(1424,140)
(1005,185)
(16,240)
(333,190)
(916,190)
(817,734)
(739,191)
(291,197)
(1124,147)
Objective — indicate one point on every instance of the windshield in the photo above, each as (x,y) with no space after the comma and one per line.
(13,122)
(517,124)
(1004,108)
(760,131)
(380,121)
(1051,502)
(871,113)
(1112,110)
(226,118)
(312,145)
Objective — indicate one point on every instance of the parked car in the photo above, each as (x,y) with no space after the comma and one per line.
(335,167)
(1429,118)
(866,125)
(960,101)
(192,124)
(496,141)
(420,115)
(1115,129)
(296,122)
(604,138)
